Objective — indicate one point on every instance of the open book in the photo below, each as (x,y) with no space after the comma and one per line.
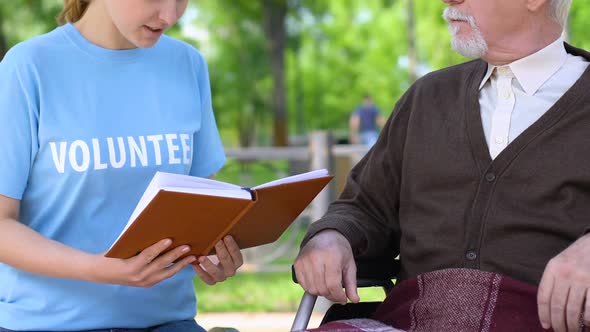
(200,212)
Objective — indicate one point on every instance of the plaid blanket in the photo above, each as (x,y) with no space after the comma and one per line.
(356,325)
(458,300)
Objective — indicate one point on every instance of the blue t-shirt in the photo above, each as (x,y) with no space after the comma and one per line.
(83,129)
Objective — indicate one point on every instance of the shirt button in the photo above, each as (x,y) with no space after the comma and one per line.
(490,177)
(471,255)
(499,140)
(506,95)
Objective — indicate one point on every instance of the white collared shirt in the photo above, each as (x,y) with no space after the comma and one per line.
(518,94)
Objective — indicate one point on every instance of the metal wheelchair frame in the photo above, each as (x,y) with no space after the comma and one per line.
(376,272)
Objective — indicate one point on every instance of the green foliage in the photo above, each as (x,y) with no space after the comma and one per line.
(23,19)
(341,61)
(433,38)
(579,24)
(336,51)
(239,66)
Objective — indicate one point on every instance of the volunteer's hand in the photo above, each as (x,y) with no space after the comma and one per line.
(325,265)
(224,264)
(144,270)
(564,291)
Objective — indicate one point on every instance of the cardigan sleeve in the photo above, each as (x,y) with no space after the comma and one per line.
(366,212)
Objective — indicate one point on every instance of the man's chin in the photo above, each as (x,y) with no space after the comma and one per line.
(469,48)
(469,53)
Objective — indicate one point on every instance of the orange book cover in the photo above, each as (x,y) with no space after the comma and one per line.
(199,212)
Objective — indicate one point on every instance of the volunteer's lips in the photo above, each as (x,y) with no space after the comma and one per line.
(154,31)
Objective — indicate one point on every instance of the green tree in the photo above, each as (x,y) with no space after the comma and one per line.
(579,24)
(3,44)
(351,48)
(22,19)
(307,61)
(274,13)
(239,66)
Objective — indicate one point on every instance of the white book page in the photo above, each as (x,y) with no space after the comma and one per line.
(232,193)
(187,181)
(295,178)
(162,179)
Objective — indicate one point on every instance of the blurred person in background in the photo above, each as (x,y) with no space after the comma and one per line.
(365,122)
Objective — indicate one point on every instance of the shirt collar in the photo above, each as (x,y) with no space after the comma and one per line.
(536,69)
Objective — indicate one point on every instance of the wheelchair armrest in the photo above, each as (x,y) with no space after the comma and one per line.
(372,272)
(377,271)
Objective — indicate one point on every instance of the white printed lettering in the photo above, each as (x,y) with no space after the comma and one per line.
(81,153)
(155,139)
(137,151)
(59,159)
(83,147)
(172,148)
(186,149)
(96,149)
(112,157)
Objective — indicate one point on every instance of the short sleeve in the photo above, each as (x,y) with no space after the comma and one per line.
(208,153)
(18,123)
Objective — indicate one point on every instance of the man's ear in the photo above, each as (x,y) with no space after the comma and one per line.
(537,5)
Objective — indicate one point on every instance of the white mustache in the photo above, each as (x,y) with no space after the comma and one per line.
(453,14)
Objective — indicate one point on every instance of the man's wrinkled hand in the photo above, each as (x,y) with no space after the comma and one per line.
(325,265)
(563,297)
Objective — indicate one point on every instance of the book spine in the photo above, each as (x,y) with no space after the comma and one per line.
(211,246)
(251,191)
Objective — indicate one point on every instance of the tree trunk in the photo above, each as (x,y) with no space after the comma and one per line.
(3,44)
(412,52)
(300,117)
(274,13)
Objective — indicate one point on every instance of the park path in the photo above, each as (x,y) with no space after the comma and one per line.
(253,321)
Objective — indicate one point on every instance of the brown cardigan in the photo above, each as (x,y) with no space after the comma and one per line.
(429,191)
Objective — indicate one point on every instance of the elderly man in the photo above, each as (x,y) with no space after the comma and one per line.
(480,181)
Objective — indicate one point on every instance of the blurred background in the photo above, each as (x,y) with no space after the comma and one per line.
(285,77)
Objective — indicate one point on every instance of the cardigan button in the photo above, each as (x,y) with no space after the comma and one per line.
(490,177)
(471,255)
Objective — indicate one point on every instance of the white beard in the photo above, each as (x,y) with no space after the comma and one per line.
(473,46)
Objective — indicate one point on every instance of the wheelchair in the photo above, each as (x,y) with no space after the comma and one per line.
(375,272)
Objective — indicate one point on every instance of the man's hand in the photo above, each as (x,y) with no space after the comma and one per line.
(326,264)
(564,291)
(228,258)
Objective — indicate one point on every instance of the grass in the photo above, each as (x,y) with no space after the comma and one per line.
(259,292)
